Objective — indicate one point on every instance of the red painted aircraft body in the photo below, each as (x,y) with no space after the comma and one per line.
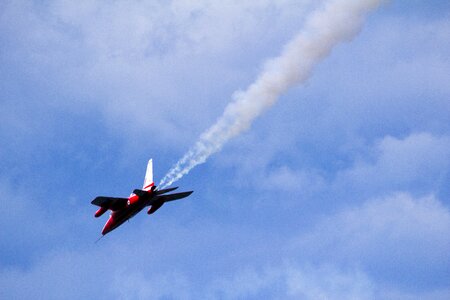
(122,209)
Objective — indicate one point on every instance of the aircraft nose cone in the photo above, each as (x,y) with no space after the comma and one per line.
(108,226)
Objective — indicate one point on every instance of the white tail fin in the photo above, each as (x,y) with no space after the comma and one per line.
(148,182)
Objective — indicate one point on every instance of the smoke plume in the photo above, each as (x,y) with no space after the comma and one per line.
(337,21)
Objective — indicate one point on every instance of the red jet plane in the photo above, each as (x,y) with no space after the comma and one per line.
(125,208)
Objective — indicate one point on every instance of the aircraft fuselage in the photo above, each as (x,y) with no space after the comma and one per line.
(117,218)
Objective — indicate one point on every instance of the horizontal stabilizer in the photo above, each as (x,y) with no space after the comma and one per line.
(160,192)
(110,202)
(176,196)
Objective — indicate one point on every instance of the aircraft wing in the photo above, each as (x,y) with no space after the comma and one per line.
(110,202)
(172,197)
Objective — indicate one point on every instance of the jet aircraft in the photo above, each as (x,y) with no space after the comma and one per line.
(122,209)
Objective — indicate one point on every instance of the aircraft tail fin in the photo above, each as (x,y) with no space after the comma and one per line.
(148,182)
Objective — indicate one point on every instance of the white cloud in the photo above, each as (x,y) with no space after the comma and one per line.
(327,282)
(395,238)
(417,163)
(303,183)
(25,224)
(308,282)
(361,252)
(394,81)
(144,64)
(292,281)
(136,285)
(150,28)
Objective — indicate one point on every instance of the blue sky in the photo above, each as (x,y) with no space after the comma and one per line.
(339,191)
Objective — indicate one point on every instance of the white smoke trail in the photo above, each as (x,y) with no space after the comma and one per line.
(338,21)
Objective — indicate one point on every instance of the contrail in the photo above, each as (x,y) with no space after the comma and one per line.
(336,22)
